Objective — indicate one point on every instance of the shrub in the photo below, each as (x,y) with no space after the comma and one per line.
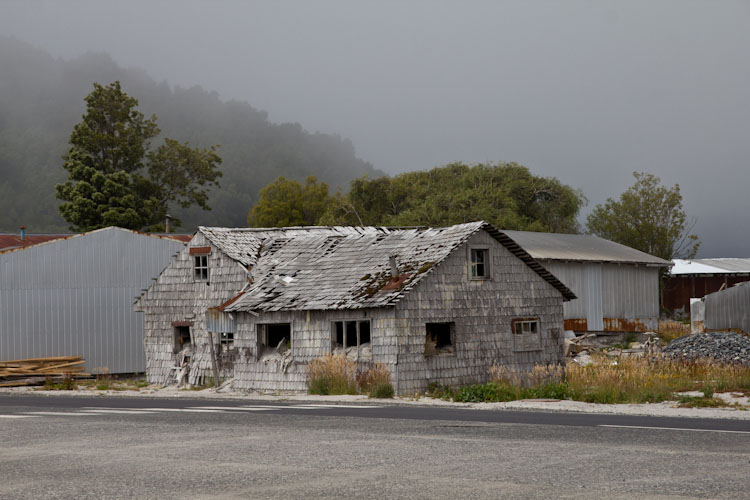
(331,374)
(376,381)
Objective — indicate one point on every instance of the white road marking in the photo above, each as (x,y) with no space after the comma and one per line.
(308,407)
(672,429)
(118,412)
(234,408)
(17,416)
(66,414)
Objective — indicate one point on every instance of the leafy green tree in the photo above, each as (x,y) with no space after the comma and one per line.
(286,202)
(648,217)
(506,194)
(114,177)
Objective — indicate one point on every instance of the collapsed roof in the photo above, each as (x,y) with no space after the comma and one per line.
(324,268)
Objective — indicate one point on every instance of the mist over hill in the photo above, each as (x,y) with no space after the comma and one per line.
(41,98)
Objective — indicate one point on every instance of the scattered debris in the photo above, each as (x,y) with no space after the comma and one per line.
(36,371)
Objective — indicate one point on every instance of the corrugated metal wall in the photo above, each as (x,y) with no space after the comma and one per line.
(729,309)
(611,297)
(76,296)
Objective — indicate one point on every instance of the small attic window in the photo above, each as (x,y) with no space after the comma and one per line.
(480,263)
(200,267)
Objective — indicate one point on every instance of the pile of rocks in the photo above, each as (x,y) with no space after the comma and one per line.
(725,347)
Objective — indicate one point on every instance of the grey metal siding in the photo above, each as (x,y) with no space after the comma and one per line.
(75,296)
(729,309)
(610,296)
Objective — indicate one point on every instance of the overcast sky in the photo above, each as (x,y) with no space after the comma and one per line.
(585,91)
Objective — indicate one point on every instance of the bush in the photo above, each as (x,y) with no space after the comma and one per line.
(331,374)
(382,390)
(376,381)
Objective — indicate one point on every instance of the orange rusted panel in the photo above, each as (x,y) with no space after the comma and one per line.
(624,325)
(577,325)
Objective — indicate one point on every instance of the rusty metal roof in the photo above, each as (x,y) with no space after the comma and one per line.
(39,239)
(710,266)
(581,247)
(345,267)
(13,240)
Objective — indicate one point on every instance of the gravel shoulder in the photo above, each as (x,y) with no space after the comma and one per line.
(665,409)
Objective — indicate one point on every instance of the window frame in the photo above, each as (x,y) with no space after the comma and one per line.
(263,326)
(333,342)
(486,263)
(526,340)
(201,268)
(523,322)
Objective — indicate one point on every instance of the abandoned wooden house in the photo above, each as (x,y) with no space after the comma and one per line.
(435,305)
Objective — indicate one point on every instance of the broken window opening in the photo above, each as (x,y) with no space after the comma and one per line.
(439,339)
(200,267)
(524,326)
(274,336)
(480,263)
(181,337)
(351,338)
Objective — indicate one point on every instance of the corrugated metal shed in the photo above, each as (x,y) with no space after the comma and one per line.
(729,309)
(75,295)
(710,266)
(617,286)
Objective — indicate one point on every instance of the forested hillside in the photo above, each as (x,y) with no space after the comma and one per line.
(41,98)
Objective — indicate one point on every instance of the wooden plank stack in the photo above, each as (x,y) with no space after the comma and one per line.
(36,370)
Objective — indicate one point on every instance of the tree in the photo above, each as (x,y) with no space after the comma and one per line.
(506,194)
(114,177)
(648,217)
(286,202)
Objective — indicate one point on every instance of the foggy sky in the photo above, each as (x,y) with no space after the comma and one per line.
(585,91)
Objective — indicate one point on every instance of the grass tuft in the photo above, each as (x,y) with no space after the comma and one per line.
(376,381)
(331,374)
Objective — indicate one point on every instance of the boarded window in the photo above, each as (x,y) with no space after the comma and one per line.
(200,267)
(346,334)
(274,336)
(480,265)
(526,334)
(439,339)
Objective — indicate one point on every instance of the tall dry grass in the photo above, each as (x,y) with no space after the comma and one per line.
(331,374)
(376,381)
(669,330)
(644,380)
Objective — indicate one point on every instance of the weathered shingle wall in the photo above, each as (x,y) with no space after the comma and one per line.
(311,338)
(482,311)
(176,296)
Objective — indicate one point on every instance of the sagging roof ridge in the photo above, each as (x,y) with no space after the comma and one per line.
(252,301)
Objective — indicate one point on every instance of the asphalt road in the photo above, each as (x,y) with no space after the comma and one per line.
(75,447)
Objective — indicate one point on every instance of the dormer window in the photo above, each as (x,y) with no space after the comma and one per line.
(200,262)
(480,264)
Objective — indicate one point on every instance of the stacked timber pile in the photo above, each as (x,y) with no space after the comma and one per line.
(38,370)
